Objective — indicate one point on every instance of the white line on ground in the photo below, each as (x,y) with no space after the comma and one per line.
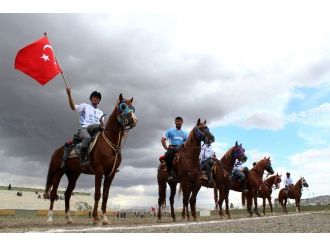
(159,225)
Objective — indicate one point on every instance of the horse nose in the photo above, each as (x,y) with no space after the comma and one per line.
(133,119)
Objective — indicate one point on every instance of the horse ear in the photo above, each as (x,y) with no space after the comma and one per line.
(205,122)
(268,158)
(198,121)
(121,97)
(236,143)
(131,100)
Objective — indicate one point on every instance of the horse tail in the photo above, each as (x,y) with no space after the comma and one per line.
(51,173)
(243,199)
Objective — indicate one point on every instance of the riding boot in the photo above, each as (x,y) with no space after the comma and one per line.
(243,186)
(209,180)
(171,177)
(83,156)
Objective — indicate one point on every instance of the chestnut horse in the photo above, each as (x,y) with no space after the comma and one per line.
(105,158)
(266,189)
(294,193)
(222,175)
(187,169)
(254,181)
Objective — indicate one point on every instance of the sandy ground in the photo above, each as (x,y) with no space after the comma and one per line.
(308,222)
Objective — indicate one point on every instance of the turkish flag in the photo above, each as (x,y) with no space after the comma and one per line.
(38,61)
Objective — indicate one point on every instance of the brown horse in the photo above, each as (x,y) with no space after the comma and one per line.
(254,181)
(266,189)
(221,175)
(293,193)
(105,158)
(187,169)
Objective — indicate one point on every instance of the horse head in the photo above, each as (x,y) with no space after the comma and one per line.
(203,133)
(277,181)
(126,112)
(264,164)
(239,152)
(303,182)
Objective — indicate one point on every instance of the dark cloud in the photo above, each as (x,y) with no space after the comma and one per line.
(128,59)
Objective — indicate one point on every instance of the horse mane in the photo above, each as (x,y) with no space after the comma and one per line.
(226,158)
(298,184)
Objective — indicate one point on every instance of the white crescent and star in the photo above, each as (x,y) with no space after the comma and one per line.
(46,57)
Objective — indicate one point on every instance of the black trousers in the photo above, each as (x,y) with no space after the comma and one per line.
(169,157)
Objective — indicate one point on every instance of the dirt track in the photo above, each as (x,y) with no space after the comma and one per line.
(309,222)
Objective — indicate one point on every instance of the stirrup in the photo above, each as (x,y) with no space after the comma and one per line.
(84,162)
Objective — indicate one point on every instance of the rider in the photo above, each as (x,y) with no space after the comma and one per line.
(89,114)
(238,172)
(176,138)
(207,157)
(288,183)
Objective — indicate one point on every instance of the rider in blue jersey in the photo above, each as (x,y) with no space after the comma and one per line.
(176,138)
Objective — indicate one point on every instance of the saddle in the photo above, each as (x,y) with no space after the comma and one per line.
(72,148)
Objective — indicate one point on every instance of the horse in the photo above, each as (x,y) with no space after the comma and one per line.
(105,159)
(294,193)
(266,189)
(254,181)
(187,169)
(221,175)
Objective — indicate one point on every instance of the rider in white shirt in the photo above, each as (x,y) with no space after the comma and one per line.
(288,183)
(89,114)
(207,157)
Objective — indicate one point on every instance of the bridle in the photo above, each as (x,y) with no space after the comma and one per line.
(123,112)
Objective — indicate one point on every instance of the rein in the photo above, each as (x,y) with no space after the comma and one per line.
(115,148)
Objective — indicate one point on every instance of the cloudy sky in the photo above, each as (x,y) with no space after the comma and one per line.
(258,73)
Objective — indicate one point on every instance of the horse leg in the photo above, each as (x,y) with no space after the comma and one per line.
(297,205)
(216,200)
(106,187)
(192,200)
(249,203)
(256,211)
(161,197)
(270,204)
(53,195)
(67,194)
(227,203)
(185,200)
(221,199)
(172,195)
(284,204)
(264,205)
(98,180)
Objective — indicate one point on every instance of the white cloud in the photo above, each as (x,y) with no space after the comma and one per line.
(312,164)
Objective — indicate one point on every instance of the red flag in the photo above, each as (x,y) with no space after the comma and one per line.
(38,61)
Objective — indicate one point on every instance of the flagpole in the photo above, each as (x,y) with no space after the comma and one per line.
(66,84)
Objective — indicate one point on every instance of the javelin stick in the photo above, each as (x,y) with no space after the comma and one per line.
(66,84)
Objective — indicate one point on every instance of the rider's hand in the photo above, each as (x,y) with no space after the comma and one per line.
(68,90)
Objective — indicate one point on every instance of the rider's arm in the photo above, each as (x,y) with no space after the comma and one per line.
(68,91)
(163,141)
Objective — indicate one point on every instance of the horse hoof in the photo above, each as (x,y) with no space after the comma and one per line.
(69,222)
(95,222)
(105,222)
